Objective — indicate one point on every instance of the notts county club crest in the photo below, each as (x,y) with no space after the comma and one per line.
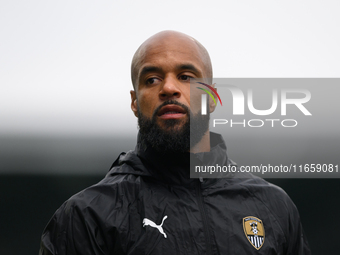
(254,231)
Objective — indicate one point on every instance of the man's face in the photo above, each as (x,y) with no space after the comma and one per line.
(162,97)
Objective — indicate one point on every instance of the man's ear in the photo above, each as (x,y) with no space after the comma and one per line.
(134,105)
(212,105)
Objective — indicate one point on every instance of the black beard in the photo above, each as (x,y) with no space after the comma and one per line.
(172,139)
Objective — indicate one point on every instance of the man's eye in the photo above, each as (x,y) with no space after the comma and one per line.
(185,78)
(151,81)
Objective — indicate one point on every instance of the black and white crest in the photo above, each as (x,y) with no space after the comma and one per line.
(254,231)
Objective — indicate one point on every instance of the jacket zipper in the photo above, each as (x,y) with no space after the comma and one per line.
(204,216)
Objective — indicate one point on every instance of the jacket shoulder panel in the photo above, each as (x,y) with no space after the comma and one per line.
(82,223)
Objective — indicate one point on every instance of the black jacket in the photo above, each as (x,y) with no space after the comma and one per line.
(147,204)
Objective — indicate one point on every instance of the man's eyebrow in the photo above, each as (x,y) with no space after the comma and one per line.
(149,69)
(188,67)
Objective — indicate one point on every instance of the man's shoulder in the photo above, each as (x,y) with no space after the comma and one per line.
(264,192)
(113,187)
(104,204)
(120,187)
(257,184)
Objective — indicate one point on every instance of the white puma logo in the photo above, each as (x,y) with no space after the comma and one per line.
(147,222)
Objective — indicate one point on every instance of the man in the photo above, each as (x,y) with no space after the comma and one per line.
(148,204)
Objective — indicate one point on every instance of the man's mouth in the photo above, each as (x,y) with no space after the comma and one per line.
(171,111)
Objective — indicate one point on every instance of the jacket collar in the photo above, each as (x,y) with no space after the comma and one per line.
(175,168)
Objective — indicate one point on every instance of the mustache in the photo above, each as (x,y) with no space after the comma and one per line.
(173,102)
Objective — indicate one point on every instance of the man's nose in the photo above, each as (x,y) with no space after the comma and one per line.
(170,89)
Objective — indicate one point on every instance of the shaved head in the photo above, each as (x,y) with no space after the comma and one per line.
(170,39)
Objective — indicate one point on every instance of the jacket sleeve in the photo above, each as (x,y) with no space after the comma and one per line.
(287,215)
(69,232)
(296,239)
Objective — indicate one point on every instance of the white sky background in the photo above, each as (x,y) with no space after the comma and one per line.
(65,65)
